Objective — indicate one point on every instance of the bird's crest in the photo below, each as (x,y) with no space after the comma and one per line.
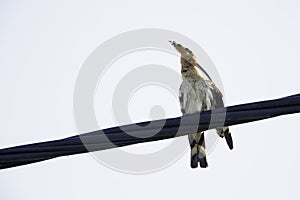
(185,53)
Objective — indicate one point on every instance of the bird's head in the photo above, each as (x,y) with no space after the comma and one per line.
(185,53)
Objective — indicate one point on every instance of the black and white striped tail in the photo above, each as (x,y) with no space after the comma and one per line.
(197,144)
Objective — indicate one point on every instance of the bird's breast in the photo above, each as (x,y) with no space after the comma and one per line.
(195,96)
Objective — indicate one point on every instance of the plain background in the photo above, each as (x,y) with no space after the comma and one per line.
(254,44)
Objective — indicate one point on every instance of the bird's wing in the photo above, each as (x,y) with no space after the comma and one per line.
(182,99)
(218,101)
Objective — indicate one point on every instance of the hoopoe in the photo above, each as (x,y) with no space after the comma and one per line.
(197,94)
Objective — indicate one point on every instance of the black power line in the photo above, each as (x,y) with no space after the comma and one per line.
(164,129)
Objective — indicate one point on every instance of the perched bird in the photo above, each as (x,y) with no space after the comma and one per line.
(195,95)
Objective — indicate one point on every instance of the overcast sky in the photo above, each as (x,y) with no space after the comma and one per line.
(253,44)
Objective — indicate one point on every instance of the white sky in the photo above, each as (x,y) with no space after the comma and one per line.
(254,45)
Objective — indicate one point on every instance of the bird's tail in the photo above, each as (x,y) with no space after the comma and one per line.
(225,132)
(197,144)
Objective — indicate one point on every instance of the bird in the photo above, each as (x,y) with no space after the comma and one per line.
(198,94)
